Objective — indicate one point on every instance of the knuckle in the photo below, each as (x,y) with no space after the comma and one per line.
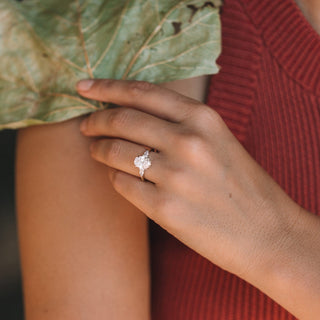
(94,120)
(112,151)
(179,137)
(206,116)
(190,144)
(195,148)
(195,143)
(190,106)
(138,88)
(118,118)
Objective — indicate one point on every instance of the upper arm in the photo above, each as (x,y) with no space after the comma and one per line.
(84,248)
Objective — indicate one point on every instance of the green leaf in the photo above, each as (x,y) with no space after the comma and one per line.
(46,46)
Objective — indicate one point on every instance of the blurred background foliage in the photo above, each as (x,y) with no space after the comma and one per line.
(10,277)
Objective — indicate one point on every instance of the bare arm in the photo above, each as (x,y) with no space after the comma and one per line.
(218,201)
(290,274)
(84,248)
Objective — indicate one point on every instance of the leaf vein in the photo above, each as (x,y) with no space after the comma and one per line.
(193,24)
(171,59)
(113,37)
(154,32)
(83,44)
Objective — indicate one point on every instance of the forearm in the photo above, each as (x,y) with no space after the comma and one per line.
(291,274)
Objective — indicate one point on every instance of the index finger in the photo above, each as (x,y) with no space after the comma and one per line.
(145,96)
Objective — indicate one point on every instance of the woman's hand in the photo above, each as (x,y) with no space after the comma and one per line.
(202,187)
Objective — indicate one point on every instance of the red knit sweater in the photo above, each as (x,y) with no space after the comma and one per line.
(268,92)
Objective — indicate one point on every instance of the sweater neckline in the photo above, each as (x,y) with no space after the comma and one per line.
(290,38)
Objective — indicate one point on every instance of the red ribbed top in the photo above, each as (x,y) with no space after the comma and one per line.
(268,93)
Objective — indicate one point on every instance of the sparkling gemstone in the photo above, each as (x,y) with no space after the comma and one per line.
(142,162)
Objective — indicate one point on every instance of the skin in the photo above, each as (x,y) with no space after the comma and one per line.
(100,230)
(221,204)
(311,10)
(83,247)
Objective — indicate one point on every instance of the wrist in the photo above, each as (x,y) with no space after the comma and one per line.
(299,257)
(279,227)
(289,272)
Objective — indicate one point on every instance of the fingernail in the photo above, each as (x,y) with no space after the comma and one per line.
(84,124)
(84,85)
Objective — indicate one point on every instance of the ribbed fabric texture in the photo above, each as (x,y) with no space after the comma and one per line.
(268,93)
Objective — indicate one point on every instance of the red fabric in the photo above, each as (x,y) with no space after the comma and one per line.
(268,92)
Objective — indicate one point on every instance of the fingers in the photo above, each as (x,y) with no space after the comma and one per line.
(150,98)
(130,124)
(120,154)
(142,194)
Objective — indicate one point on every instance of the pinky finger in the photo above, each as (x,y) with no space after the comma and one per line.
(142,194)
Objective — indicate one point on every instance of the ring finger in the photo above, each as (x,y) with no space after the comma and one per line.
(120,154)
